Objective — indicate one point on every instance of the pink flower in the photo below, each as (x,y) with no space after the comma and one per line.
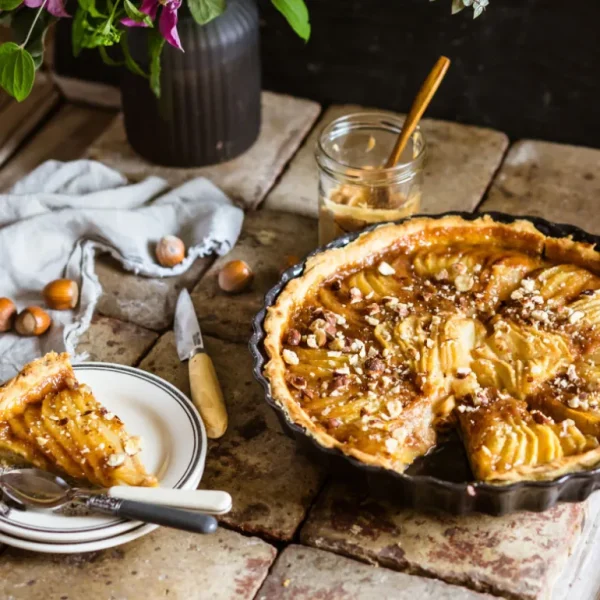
(167,22)
(54,7)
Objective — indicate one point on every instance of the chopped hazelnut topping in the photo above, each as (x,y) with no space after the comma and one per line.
(374,366)
(386,269)
(290,357)
(372,321)
(576,316)
(355,295)
(311,341)
(293,337)
(133,445)
(464,283)
(116,459)
(298,382)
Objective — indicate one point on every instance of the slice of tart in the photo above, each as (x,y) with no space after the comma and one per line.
(50,420)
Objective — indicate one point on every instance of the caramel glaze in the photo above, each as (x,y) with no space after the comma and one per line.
(360,377)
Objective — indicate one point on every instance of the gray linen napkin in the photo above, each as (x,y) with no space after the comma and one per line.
(54,220)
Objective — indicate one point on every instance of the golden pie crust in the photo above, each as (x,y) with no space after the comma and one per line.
(50,420)
(493,329)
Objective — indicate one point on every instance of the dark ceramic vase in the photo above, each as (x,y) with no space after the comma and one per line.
(209,109)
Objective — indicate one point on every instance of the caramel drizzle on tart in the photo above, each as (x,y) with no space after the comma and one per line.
(485,334)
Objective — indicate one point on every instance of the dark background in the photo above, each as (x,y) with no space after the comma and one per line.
(527,67)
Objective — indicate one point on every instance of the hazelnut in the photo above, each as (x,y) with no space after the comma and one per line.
(8,311)
(32,321)
(61,294)
(236,276)
(293,337)
(170,251)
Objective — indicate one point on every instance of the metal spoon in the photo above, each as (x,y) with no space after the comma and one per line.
(32,487)
(45,490)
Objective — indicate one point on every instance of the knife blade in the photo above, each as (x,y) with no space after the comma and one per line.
(204,385)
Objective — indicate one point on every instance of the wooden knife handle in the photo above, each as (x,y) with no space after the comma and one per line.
(207,395)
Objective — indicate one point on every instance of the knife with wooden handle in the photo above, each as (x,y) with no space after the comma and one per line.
(206,391)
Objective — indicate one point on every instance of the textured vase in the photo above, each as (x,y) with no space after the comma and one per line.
(209,109)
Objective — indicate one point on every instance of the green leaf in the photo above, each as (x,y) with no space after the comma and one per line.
(296,13)
(22,23)
(155,45)
(17,70)
(129,62)
(78,31)
(10,4)
(107,60)
(90,6)
(204,11)
(137,15)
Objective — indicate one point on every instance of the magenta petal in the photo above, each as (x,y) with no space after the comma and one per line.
(167,24)
(54,7)
(148,7)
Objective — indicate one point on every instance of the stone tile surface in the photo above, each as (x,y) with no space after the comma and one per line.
(164,564)
(64,137)
(267,241)
(461,162)
(149,302)
(247,178)
(271,483)
(517,556)
(302,573)
(111,340)
(555,181)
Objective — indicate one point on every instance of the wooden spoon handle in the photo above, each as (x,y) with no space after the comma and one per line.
(420,104)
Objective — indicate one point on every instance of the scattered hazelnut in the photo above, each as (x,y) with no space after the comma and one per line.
(236,276)
(8,311)
(32,321)
(61,294)
(170,251)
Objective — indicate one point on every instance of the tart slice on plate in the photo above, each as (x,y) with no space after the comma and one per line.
(50,420)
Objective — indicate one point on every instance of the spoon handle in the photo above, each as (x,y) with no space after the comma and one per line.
(419,105)
(186,520)
(213,502)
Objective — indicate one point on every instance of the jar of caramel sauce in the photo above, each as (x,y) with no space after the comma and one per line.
(355,188)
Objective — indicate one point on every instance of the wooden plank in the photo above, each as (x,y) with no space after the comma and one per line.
(461,161)
(65,137)
(555,181)
(19,119)
(247,178)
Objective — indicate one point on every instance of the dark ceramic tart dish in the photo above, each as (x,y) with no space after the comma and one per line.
(450,361)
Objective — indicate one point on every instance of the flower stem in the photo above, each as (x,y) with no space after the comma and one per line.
(35,20)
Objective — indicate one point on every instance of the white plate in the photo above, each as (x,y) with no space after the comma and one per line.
(174,449)
(74,548)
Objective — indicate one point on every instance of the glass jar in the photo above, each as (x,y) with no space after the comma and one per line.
(355,188)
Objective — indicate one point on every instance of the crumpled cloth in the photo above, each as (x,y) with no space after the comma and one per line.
(54,220)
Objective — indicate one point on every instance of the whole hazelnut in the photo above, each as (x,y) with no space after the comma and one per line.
(236,276)
(170,251)
(32,321)
(61,294)
(8,311)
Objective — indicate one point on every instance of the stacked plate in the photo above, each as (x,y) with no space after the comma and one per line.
(174,449)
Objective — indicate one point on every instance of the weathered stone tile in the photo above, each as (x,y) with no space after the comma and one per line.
(149,302)
(268,238)
(554,181)
(302,573)
(515,556)
(164,564)
(461,161)
(271,483)
(111,340)
(247,178)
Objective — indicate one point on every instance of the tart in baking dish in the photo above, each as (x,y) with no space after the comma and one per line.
(413,329)
(50,420)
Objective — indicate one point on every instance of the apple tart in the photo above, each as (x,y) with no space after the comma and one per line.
(50,420)
(382,346)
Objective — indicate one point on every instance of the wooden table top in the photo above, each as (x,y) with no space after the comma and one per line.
(294,532)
